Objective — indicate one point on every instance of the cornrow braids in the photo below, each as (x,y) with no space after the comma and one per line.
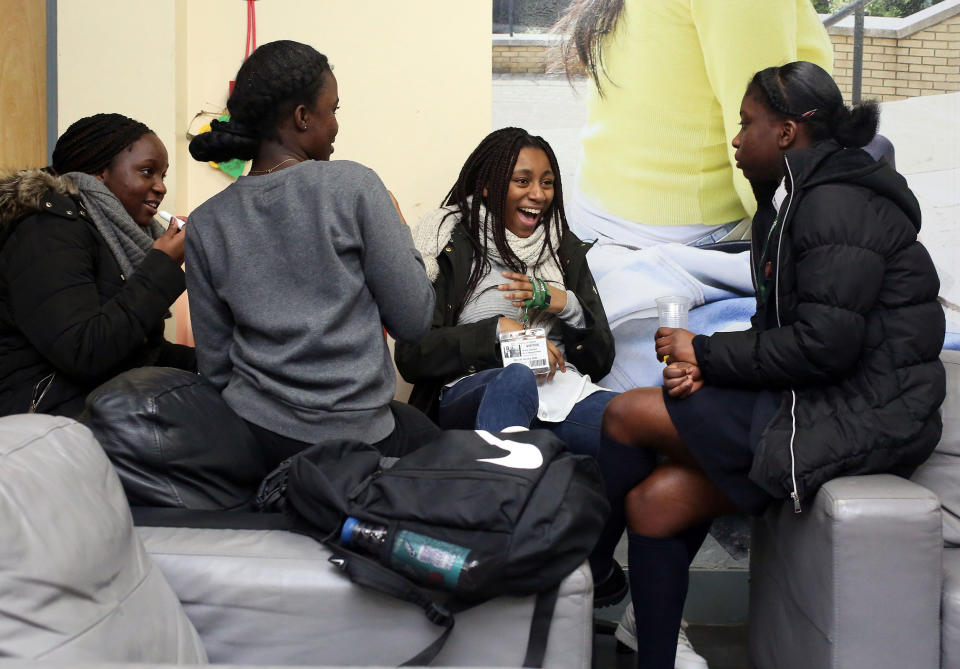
(276,78)
(806,92)
(90,144)
(769,81)
(490,168)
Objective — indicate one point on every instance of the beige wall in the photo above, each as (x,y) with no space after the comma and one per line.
(414,78)
(114,56)
(413,75)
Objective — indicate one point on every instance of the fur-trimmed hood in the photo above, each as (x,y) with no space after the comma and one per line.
(21,193)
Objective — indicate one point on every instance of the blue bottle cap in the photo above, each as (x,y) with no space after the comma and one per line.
(346,534)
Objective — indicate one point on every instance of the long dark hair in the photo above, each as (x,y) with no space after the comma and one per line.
(276,78)
(805,92)
(490,168)
(588,23)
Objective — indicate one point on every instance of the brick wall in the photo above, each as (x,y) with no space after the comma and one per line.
(521,58)
(897,63)
(924,63)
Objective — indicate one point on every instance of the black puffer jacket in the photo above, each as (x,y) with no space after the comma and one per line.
(68,317)
(450,351)
(847,323)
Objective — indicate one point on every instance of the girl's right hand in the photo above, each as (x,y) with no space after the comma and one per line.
(172,242)
(681,379)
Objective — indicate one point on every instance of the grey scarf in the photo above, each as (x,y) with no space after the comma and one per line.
(127,240)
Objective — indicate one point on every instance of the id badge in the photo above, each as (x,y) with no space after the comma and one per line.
(528,347)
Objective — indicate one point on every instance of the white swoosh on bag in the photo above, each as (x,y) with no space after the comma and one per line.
(521,456)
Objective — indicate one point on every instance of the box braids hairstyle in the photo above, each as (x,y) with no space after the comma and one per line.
(90,144)
(490,168)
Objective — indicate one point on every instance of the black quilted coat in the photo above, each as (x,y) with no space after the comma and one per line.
(847,324)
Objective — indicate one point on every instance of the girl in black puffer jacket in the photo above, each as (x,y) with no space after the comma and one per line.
(838,375)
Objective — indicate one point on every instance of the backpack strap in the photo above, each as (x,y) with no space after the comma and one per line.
(371,574)
(367,572)
(540,627)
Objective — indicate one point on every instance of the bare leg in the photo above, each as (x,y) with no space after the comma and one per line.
(673,499)
(639,418)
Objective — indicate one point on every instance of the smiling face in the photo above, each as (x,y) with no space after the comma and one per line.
(530,192)
(135,176)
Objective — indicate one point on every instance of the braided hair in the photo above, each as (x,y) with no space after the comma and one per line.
(90,144)
(273,81)
(806,93)
(490,168)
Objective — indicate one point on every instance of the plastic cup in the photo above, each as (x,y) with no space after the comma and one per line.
(673,311)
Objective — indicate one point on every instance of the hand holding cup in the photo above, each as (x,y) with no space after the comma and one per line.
(674,343)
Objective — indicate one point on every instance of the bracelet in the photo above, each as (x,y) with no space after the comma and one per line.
(540,299)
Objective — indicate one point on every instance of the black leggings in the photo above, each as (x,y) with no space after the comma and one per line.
(412,430)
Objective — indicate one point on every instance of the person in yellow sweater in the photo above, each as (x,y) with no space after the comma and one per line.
(667,80)
(656,178)
(657,175)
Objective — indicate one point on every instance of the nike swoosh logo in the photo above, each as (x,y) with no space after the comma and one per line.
(520,455)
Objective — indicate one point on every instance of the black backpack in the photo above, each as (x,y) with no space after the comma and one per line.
(528,510)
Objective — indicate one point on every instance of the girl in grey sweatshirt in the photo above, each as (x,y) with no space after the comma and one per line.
(294,269)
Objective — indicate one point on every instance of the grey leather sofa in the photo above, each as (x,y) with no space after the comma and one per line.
(868,576)
(78,583)
(75,582)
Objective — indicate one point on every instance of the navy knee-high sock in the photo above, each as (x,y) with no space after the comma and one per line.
(693,539)
(658,575)
(623,467)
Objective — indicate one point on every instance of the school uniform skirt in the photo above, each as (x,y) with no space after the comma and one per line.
(721,428)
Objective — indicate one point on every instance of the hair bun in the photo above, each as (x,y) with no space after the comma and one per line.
(232,127)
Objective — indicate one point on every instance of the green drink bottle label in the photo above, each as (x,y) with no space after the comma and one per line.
(428,560)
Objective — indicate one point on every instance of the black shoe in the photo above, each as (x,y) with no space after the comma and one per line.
(612,589)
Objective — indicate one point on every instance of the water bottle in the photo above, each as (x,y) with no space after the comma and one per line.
(424,559)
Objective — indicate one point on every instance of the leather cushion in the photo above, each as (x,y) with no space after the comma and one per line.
(941,472)
(950,610)
(174,441)
(75,582)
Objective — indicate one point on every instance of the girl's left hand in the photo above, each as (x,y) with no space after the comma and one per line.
(522,290)
(681,379)
(674,345)
(556,360)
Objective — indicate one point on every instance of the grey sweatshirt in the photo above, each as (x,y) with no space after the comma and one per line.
(290,276)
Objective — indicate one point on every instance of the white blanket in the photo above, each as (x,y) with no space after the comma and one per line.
(629,281)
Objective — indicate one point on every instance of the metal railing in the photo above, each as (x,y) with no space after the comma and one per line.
(856,8)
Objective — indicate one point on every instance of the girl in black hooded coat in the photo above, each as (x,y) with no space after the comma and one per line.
(838,375)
